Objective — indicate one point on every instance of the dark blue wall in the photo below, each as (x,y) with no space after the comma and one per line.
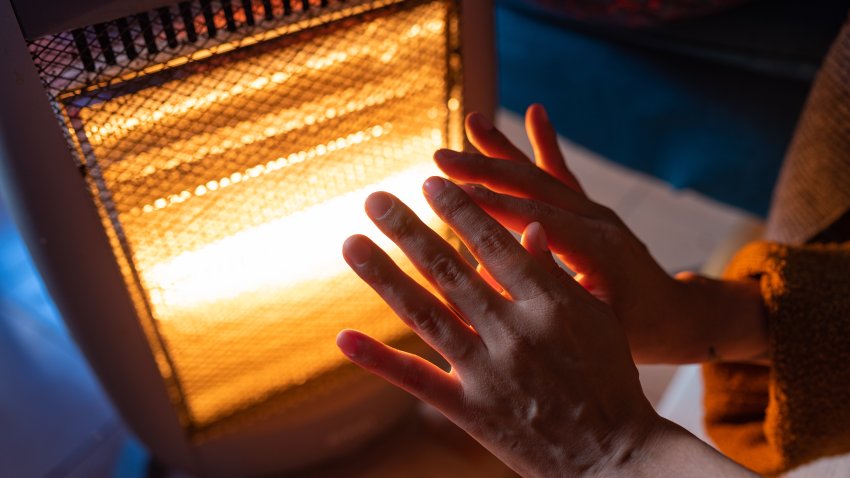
(716,128)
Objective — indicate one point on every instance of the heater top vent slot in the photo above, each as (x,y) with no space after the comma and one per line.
(98,55)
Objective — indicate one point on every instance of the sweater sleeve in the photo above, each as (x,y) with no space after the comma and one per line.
(771,419)
(813,189)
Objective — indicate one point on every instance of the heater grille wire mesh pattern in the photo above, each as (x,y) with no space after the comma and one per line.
(229,147)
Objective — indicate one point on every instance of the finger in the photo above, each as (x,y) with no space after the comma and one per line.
(534,240)
(411,373)
(547,151)
(418,308)
(571,236)
(490,141)
(482,271)
(687,276)
(491,244)
(513,178)
(439,262)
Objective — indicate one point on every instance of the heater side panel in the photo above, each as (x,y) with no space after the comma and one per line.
(479,57)
(51,204)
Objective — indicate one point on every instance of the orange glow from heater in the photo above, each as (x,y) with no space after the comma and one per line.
(234,185)
(307,242)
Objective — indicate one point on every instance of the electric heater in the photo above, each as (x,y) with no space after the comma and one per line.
(185,174)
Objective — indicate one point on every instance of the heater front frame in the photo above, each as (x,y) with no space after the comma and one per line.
(52,206)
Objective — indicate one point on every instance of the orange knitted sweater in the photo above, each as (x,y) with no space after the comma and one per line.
(774,418)
(771,419)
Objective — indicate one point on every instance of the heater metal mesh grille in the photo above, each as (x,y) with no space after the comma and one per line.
(228,148)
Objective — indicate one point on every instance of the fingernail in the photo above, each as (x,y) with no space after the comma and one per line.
(357,250)
(543,114)
(446,154)
(481,122)
(378,204)
(347,343)
(433,186)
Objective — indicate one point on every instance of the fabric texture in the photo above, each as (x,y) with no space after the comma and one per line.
(771,419)
(775,418)
(813,190)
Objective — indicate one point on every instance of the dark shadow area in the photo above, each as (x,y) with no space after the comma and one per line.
(708,103)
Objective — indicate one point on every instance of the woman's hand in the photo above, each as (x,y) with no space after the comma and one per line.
(673,321)
(541,375)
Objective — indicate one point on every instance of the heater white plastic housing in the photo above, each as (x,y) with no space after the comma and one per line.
(182,174)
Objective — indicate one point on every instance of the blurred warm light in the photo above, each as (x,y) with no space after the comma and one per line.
(231,186)
(306,242)
(143,112)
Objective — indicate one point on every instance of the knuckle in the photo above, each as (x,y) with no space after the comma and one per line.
(552,304)
(538,209)
(491,309)
(404,227)
(492,242)
(447,272)
(453,206)
(431,326)
(425,321)
(380,277)
(462,351)
(373,275)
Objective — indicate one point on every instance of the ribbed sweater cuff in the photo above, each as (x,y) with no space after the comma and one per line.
(807,295)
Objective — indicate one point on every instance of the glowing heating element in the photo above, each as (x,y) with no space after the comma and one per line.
(228,184)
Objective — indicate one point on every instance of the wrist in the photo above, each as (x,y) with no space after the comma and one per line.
(670,450)
(630,446)
(728,316)
(642,451)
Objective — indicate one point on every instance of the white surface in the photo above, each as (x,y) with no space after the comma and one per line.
(682,401)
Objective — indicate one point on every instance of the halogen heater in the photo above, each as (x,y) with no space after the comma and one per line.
(185,174)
